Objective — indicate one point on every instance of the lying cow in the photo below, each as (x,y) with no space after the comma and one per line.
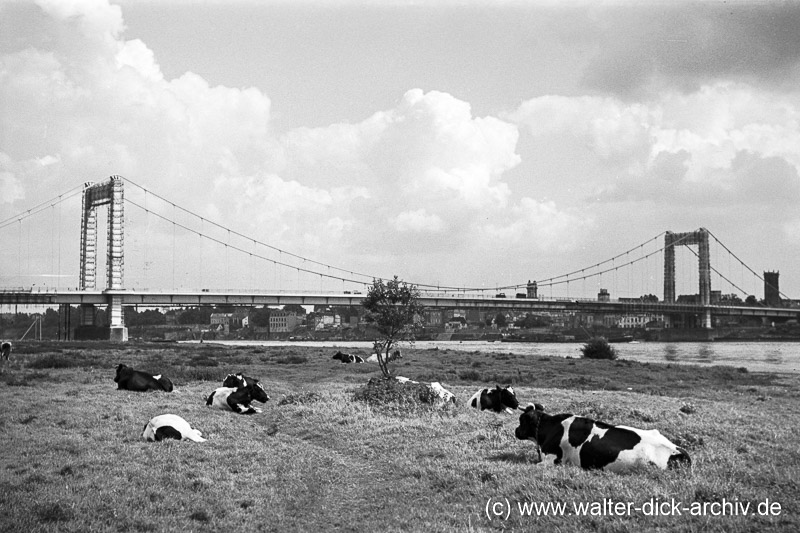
(597,445)
(442,393)
(237,380)
(238,398)
(5,351)
(135,380)
(170,427)
(348,357)
(435,387)
(397,354)
(497,400)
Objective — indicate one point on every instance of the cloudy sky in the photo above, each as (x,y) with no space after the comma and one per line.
(462,143)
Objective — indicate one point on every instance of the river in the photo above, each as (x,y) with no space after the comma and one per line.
(755,356)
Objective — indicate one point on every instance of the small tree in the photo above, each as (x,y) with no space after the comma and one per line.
(598,348)
(391,307)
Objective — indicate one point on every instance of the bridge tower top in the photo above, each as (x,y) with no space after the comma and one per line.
(700,238)
(109,193)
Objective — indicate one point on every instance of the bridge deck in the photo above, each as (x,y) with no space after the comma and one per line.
(53,297)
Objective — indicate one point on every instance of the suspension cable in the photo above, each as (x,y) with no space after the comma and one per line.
(41,207)
(238,249)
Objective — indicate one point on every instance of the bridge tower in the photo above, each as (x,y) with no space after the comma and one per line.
(772,293)
(108,193)
(700,238)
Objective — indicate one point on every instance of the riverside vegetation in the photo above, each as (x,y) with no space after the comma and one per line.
(324,456)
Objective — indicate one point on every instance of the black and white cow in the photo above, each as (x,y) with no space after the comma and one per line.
(237,398)
(237,380)
(348,357)
(135,380)
(397,354)
(596,445)
(498,400)
(5,351)
(170,427)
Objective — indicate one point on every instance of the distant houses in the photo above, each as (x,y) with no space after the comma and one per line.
(283,321)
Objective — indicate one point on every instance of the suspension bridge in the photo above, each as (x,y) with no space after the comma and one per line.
(202,252)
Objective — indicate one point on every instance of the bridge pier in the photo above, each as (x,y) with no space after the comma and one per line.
(117,330)
(87,314)
(706,322)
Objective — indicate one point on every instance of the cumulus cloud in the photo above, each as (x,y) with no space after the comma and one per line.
(718,144)
(88,103)
(418,221)
(425,167)
(102,105)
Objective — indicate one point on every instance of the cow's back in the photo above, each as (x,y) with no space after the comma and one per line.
(475,400)
(219,398)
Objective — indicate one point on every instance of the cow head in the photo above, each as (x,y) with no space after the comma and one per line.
(507,397)
(529,423)
(257,391)
(122,370)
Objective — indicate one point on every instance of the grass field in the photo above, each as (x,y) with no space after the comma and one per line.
(317,459)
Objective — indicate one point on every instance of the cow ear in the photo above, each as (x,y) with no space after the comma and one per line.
(498,387)
(530,407)
(539,407)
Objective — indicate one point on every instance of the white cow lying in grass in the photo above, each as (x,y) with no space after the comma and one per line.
(435,388)
(170,427)
(397,354)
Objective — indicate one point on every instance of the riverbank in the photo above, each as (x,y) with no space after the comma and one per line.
(316,459)
(780,357)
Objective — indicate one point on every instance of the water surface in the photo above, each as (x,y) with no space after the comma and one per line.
(755,356)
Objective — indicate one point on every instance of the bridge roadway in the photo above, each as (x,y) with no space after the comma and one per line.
(172,298)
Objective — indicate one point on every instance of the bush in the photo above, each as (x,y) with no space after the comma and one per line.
(389,392)
(598,348)
(470,375)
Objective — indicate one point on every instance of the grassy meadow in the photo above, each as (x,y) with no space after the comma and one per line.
(317,459)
